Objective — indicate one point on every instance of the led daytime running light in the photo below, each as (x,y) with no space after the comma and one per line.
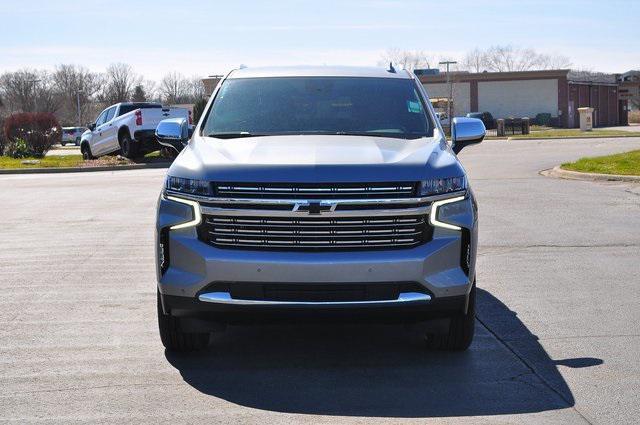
(197,216)
(434,213)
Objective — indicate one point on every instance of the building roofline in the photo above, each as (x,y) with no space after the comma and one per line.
(493,76)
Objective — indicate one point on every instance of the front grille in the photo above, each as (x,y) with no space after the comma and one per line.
(316,190)
(315,233)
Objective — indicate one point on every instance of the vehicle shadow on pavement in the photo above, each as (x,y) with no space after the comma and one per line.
(384,371)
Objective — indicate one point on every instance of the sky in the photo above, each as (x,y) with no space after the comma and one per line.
(198,38)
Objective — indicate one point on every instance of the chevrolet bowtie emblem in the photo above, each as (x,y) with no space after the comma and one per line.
(314,207)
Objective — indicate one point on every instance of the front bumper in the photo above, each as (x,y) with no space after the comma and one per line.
(442,270)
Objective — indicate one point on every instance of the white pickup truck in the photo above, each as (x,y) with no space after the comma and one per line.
(127,127)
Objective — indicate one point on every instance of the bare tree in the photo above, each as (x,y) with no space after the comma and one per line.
(196,89)
(474,61)
(29,91)
(75,85)
(407,59)
(509,58)
(555,61)
(174,88)
(151,90)
(120,81)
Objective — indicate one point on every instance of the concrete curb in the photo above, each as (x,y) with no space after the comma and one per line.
(576,175)
(619,136)
(51,170)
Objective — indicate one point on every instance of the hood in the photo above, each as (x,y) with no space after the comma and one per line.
(315,158)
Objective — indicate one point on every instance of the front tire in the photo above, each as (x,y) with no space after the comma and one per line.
(63,143)
(86,152)
(461,329)
(173,338)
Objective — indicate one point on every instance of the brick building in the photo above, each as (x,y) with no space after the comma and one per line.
(210,83)
(525,94)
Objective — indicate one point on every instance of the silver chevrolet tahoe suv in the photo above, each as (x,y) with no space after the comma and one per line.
(315,193)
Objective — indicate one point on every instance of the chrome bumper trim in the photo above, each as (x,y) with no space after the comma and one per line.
(284,213)
(225,298)
(292,202)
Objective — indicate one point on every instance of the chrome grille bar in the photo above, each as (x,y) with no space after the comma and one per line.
(308,232)
(314,190)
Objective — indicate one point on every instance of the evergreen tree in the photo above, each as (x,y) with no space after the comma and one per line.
(139,94)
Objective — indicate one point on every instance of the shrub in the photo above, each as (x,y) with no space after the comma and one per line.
(39,131)
(543,119)
(3,141)
(17,148)
(634,117)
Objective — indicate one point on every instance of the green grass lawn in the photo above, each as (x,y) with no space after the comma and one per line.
(627,164)
(574,132)
(47,161)
(76,161)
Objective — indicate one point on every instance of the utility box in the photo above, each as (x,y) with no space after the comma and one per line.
(586,119)
(500,127)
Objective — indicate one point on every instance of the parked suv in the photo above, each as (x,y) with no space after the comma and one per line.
(72,135)
(314,193)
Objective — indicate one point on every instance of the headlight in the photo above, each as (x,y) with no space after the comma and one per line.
(189,186)
(442,186)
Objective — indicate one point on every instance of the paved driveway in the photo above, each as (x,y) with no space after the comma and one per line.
(557,331)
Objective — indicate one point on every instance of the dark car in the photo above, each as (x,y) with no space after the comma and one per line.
(486,117)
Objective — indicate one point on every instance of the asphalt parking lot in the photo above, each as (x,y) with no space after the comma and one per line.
(557,332)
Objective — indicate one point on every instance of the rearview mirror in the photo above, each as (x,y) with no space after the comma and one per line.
(465,132)
(91,126)
(173,133)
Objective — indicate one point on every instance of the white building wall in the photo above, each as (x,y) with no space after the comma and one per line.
(519,98)
(461,96)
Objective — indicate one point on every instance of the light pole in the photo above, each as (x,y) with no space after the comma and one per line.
(78,102)
(35,95)
(450,84)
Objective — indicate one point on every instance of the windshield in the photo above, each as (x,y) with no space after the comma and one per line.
(389,107)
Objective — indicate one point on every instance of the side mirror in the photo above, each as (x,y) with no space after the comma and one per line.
(465,132)
(91,126)
(173,133)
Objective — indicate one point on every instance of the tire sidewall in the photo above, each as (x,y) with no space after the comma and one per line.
(125,145)
(85,150)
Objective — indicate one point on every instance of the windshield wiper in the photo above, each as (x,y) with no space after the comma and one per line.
(378,134)
(233,134)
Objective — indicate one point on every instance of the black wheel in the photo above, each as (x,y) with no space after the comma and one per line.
(63,143)
(128,147)
(461,329)
(86,152)
(174,339)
